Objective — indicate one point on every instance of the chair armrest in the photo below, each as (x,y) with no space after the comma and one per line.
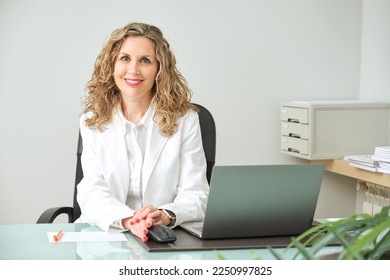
(49,215)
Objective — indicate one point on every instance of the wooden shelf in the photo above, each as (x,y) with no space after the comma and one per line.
(342,167)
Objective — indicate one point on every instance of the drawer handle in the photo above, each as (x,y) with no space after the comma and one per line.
(293,120)
(293,150)
(294,135)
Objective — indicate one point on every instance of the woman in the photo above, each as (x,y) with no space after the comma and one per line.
(143,158)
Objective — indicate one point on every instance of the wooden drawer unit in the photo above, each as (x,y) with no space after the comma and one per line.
(333,129)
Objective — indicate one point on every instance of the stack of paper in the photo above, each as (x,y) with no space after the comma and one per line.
(382,156)
(366,162)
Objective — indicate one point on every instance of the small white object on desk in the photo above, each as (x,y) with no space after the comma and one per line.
(87,236)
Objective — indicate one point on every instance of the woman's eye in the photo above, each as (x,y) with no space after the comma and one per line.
(145,60)
(124,58)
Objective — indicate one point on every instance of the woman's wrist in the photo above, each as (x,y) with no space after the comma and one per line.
(168,217)
(126,222)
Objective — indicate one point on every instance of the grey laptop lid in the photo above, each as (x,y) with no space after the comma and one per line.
(262,200)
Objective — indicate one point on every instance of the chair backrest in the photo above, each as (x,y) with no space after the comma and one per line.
(209,140)
(209,137)
(78,178)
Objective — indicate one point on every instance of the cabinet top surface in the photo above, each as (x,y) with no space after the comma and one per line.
(338,103)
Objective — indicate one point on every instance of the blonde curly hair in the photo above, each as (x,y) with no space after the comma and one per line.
(170,92)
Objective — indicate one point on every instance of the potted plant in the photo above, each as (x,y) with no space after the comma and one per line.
(360,237)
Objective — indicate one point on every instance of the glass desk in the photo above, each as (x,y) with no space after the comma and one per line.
(30,242)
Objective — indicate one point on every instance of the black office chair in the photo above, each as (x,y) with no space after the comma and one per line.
(208,130)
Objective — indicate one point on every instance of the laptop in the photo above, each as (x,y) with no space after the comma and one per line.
(261,200)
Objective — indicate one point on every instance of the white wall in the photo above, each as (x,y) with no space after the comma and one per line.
(375,58)
(241,58)
(375,70)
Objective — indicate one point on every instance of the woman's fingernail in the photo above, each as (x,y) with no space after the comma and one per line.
(145,231)
(137,221)
(131,223)
(145,238)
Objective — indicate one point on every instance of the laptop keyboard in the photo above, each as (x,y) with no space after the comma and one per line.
(198,228)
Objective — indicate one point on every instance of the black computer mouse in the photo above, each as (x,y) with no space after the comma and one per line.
(161,234)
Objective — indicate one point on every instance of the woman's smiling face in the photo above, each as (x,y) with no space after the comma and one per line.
(136,68)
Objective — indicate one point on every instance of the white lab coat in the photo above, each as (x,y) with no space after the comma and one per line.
(173,173)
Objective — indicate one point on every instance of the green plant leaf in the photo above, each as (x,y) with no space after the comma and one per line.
(219,255)
(347,247)
(369,238)
(275,254)
(302,250)
(359,236)
(382,247)
(255,256)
